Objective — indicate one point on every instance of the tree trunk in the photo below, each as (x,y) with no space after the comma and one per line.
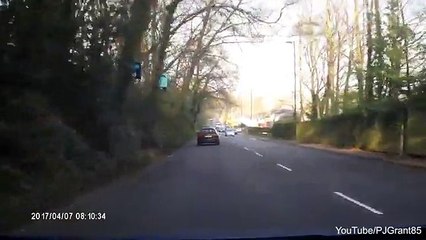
(302,111)
(336,105)
(314,93)
(138,24)
(146,68)
(152,58)
(395,52)
(369,77)
(404,125)
(314,107)
(406,53)
(197,53)
(403,131)
(379,48)
(312,65)
(164,42)
(348,76)
(329,87)
(359,55)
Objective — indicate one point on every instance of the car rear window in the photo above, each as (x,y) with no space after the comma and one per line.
(208,130)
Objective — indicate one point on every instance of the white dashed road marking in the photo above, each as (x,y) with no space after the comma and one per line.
(358,203)
(246,148)
(258,154)
(282,166)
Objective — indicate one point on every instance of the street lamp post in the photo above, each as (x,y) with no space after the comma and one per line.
(294,78)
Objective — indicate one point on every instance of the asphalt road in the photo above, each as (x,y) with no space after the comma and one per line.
(249,187)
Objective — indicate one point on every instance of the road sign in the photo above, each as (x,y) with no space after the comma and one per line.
(164,81)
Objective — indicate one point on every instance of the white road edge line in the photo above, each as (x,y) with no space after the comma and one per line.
(246,148)
(254,139)
(286,168)
(358,203)
(258,154)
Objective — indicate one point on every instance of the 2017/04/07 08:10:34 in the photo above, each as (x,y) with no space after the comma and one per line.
(35,216)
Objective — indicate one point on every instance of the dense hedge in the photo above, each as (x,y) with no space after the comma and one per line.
(341,130)
(46,163)
(371,131)
(417,133)
(284,130)
(258,131)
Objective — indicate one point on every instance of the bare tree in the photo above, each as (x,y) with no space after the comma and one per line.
(369,75)
(309,33)
(330,33)
(343,32)
(315,85)
(359,53)
(349,72)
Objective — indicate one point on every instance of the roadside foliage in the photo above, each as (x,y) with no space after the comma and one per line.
(73,113)
(365,81)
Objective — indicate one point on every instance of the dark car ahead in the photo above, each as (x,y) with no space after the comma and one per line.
(208,135)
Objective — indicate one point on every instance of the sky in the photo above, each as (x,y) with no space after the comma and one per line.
(267,67)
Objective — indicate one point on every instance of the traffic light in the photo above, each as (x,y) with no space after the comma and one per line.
(163,82)
(137,68)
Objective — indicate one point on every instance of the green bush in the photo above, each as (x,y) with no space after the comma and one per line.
(54,165)
(46,163)
(340,129)
(284,130)
(308,132)
(158,120)
(172,133)
(346,130)
(417,133)
(373,131)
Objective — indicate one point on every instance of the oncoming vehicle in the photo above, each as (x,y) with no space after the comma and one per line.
(230,132)
(208,135)
(220,128)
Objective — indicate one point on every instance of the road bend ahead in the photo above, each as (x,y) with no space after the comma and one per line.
(249,187)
